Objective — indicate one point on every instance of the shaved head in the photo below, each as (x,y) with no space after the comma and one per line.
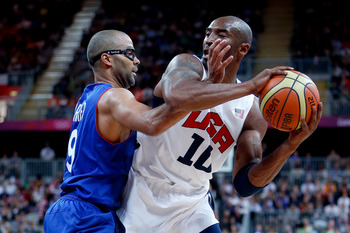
(236,33)
(106,40)
(234,24)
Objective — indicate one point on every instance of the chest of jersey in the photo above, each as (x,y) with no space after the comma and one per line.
(212,134)
(196,146)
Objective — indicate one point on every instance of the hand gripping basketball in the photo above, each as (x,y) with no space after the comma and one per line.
(286,98)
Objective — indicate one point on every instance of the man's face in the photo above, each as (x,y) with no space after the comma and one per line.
(125,68)
(219,29)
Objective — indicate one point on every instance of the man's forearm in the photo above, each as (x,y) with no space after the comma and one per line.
(264,172)
(205,94)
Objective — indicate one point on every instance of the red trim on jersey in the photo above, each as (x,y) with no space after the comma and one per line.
(112,143)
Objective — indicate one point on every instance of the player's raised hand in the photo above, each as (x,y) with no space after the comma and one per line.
(216,64)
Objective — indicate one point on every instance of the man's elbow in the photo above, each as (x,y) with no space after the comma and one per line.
(155,131)
(175,103)
(155,127)
(170,119)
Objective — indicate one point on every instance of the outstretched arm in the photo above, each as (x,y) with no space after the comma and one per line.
(251,173)
(183,87)
(119,112)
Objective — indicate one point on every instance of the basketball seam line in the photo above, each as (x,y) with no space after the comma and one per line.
(313,94)
(291,88)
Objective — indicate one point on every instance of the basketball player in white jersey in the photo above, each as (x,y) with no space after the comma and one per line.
(167,189)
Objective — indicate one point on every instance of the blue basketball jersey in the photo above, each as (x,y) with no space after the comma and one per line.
(96,170)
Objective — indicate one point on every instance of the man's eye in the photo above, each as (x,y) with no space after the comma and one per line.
(130,53)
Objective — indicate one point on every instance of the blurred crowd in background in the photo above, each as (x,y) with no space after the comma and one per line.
(159,32)
(321,29)
(31,29)
(310,194)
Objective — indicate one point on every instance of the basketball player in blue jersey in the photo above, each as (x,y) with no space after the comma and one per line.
(103,139)
(167,188)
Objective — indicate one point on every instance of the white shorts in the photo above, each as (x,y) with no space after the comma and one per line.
(152,206)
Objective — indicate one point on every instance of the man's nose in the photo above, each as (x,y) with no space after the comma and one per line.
(210,39)
(136,61)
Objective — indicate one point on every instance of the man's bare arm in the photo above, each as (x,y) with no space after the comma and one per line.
(183,87)
(119,112)
(249,151)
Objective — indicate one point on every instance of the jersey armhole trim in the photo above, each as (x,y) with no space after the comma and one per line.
(95,121)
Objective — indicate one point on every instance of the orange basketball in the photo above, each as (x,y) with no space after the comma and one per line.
(285,98)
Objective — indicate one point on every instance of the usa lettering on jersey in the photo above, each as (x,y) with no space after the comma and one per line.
(214,126)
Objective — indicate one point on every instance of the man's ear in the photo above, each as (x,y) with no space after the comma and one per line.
(244,48)
(105,58)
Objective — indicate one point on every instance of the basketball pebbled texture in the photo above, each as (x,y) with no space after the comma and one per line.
(285,98)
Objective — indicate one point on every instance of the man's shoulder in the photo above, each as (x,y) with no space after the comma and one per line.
(115,93)
(186,60)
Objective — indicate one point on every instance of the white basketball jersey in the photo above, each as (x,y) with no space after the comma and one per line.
(167,188)
(187,154)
